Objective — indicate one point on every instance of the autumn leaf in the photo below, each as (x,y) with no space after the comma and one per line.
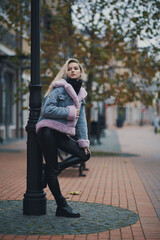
(75,193)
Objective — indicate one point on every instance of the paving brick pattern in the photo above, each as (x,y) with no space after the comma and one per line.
(149,172)
(143,141)
(110,180)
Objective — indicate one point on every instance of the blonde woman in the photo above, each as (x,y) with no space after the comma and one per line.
(63,116)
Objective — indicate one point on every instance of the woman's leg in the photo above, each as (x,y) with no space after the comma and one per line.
(48,141)
(69,145)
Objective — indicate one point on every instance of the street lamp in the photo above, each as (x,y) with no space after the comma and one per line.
(34,202)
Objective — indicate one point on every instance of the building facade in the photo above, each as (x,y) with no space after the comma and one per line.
(12,77)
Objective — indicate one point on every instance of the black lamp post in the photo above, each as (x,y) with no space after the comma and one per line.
(34,202)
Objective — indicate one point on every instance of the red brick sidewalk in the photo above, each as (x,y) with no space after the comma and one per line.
(110,180)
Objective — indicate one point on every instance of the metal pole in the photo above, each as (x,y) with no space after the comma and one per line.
(34,202)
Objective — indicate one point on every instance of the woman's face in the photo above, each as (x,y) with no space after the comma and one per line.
(73,71)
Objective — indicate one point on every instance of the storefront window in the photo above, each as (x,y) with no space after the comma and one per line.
(6,98)
(9,97)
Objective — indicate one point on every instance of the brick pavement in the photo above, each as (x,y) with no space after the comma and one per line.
(110,180)
(143,141)
(149,172)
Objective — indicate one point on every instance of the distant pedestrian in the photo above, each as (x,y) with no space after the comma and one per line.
(156,124)
(63,116)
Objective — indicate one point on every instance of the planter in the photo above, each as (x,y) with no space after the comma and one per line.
(119,123)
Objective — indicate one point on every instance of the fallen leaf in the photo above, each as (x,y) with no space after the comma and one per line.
(75,193)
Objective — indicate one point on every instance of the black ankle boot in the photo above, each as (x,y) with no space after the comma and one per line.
(64,210)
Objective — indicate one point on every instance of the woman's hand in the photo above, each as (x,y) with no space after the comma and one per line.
(77,113)
(87,149)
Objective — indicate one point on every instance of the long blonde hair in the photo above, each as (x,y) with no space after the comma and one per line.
(63,73)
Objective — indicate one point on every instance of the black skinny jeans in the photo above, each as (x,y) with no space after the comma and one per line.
(50,140)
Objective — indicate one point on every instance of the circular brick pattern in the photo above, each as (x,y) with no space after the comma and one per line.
(94,218)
